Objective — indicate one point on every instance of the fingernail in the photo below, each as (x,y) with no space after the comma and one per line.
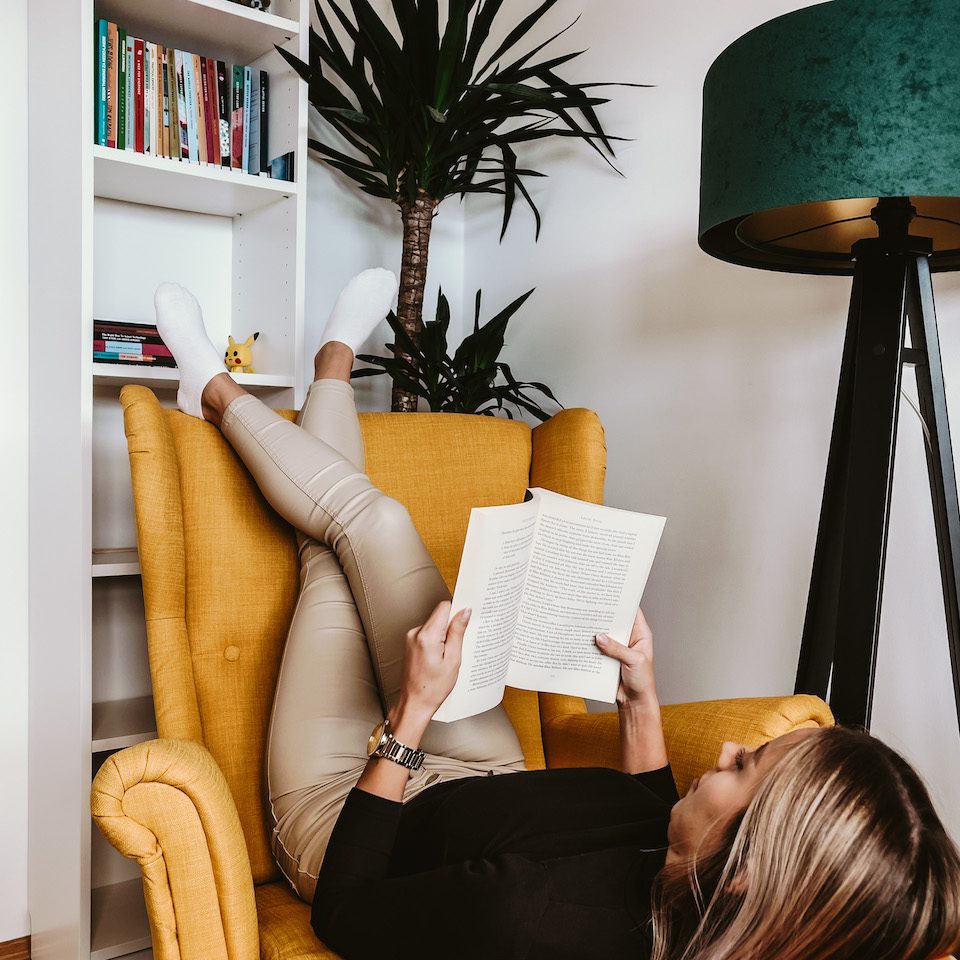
(465,616)
(602,638)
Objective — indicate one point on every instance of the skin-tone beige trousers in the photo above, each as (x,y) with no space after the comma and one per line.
(366,578)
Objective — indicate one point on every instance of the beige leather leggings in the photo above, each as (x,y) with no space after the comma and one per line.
(366,578)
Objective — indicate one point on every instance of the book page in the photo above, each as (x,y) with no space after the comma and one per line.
(586,574)
(493,568)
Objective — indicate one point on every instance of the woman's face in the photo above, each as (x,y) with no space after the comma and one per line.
(723,792)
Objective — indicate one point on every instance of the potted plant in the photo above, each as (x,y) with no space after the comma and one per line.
(419,120)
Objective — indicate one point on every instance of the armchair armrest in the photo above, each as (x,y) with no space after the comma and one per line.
(693,731)
(166,804)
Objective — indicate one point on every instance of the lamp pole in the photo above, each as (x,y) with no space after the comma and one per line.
(892,295)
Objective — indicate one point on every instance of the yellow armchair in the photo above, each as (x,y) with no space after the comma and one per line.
(190,806)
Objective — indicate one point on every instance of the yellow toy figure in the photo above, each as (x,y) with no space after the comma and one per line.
(239,356)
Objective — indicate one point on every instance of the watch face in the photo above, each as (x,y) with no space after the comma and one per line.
(376,737)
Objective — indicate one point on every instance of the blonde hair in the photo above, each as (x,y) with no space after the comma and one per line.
(840,855)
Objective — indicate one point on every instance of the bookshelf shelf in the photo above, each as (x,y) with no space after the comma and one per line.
(205,25)
(122,723)
(118,920)
(161,182)
(119,562)
(106,374)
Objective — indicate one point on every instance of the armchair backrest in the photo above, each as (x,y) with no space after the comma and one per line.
(219,566)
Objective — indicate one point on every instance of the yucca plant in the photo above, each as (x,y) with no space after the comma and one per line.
(419,120)
(465,382)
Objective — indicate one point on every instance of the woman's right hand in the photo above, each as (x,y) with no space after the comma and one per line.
(432,659)
(637,683)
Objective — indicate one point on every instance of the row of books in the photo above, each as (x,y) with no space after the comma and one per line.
(117,341)
(165,102)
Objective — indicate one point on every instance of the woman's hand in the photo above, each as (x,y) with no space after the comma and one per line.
(432,659)
(637,684)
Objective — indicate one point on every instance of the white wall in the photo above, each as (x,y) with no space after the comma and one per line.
(715,383)
(14,921)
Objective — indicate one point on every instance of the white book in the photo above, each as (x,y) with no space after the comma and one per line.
(190,105)
(543,577)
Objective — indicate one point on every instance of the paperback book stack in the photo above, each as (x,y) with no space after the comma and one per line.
(172,103)
(122,341)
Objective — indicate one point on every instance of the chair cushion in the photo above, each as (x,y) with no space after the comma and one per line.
(285,931)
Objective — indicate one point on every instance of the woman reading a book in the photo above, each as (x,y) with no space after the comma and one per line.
(822,843)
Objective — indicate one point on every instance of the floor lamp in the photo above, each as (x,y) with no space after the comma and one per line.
(831,145)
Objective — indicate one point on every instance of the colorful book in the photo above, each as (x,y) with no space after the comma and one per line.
(223,112)
(121,89)
(158,98)
(190,98)
(130,123)
(253,152)
(139,97)
(102,82)
(148,144)
(213,151)
(236,119)
(173,118)
(198,107)
(245,157)
(127,346)
(112,63)
(213,112)
(166,107)
(264,122)
(181,106)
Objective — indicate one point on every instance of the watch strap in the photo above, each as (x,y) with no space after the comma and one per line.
(400,753)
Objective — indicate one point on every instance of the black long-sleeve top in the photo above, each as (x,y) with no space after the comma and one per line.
(524,866)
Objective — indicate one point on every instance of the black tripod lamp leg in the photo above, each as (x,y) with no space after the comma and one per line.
(820,624)
(875,404)
(940,467)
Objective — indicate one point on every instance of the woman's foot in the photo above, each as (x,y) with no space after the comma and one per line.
(180,325)
(360,307)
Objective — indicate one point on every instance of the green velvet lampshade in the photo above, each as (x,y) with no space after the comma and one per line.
(811,117)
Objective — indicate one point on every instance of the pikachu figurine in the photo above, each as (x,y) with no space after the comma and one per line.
(239,356)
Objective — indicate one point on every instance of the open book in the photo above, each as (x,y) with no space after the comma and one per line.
(543,577)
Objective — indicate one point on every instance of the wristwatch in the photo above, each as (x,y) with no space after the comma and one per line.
(382,743)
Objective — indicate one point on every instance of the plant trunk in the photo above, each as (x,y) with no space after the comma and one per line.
(417,222)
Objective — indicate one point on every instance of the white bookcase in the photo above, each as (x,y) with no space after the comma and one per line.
(106,227)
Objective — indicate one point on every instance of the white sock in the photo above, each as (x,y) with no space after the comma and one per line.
(180,325)
(362,304)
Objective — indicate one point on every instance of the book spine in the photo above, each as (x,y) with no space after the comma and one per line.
(191,105)
(148,145)
(264,122)
(173,118)
(158,98)
(139,96)
(245,157)
(102,82)
(112,49)
(223,112)
(181,106)
(198,108)
(130,133)
(253,154)
(121,89)
(207,115)
(126,346)
(213,112)
(164,103)
(236,119)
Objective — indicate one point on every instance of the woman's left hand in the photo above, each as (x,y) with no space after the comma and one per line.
(637,682)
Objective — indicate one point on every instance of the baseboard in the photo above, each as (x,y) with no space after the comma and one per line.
(18,949)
